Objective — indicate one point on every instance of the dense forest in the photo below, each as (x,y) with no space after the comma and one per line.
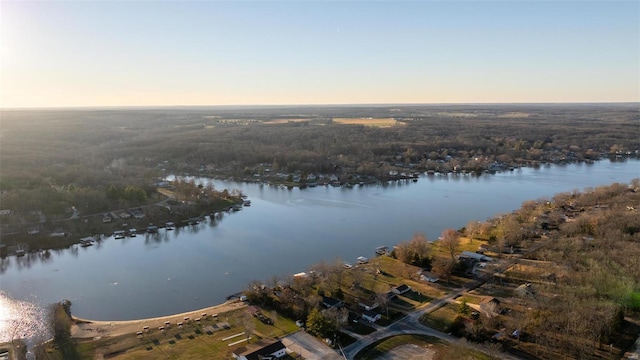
(55,161)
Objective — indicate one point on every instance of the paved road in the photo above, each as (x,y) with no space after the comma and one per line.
(309,347)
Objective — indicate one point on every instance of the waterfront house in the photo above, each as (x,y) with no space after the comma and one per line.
(272,351)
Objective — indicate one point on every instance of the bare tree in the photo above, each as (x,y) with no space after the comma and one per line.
(383,301)
(473,228)
(450,242)
(246,321)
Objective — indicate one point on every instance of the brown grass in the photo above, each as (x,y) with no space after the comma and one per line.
(372,122)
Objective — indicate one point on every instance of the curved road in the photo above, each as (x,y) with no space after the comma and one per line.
(410,324)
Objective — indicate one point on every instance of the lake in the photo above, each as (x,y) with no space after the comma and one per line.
(283,232)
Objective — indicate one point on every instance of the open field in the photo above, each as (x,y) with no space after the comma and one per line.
(372,122)
(417,347)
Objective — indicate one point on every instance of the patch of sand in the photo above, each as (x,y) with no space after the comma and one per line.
(84,328)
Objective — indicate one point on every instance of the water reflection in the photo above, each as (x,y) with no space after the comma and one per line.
(22,320)
(48,256)
(303,226)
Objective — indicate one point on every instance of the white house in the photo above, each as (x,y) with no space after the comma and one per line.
(475,256)
(428,276)
(273,351)
(371,316)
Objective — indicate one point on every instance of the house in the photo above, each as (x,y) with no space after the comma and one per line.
(106,218)
(5,212)
(136,213)
(428,276)
(400,289)
(330,302)
(272,351)
(489,304)
(474,256)
(368,304)
(371,316)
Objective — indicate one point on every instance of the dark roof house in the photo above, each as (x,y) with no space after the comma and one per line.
(401,289)
(272,351)
(330,302)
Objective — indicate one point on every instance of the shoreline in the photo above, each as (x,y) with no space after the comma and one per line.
(86,328)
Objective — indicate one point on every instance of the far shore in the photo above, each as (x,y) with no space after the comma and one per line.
(84,328)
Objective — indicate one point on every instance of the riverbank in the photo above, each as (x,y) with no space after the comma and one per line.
(84,328)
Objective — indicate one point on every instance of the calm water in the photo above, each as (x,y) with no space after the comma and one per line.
(283,232)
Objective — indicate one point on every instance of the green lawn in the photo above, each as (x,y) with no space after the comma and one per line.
(193,341)
(442,318)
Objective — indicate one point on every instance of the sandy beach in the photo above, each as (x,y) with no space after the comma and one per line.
(85,328)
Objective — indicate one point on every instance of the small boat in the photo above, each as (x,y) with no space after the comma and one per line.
(152,229)
(170,225)
(247,203)
(119,234)
(133,232)
(20,252)
(237,207)
(87,241)
(382,250)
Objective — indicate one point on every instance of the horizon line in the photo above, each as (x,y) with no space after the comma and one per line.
(157,106)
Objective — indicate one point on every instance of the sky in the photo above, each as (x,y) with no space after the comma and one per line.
(162,53)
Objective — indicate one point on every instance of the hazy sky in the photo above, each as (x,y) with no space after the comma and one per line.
(331,52)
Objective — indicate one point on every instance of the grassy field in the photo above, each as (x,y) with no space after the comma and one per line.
(442,318)
(208,339)
(443,350)
(373,122)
